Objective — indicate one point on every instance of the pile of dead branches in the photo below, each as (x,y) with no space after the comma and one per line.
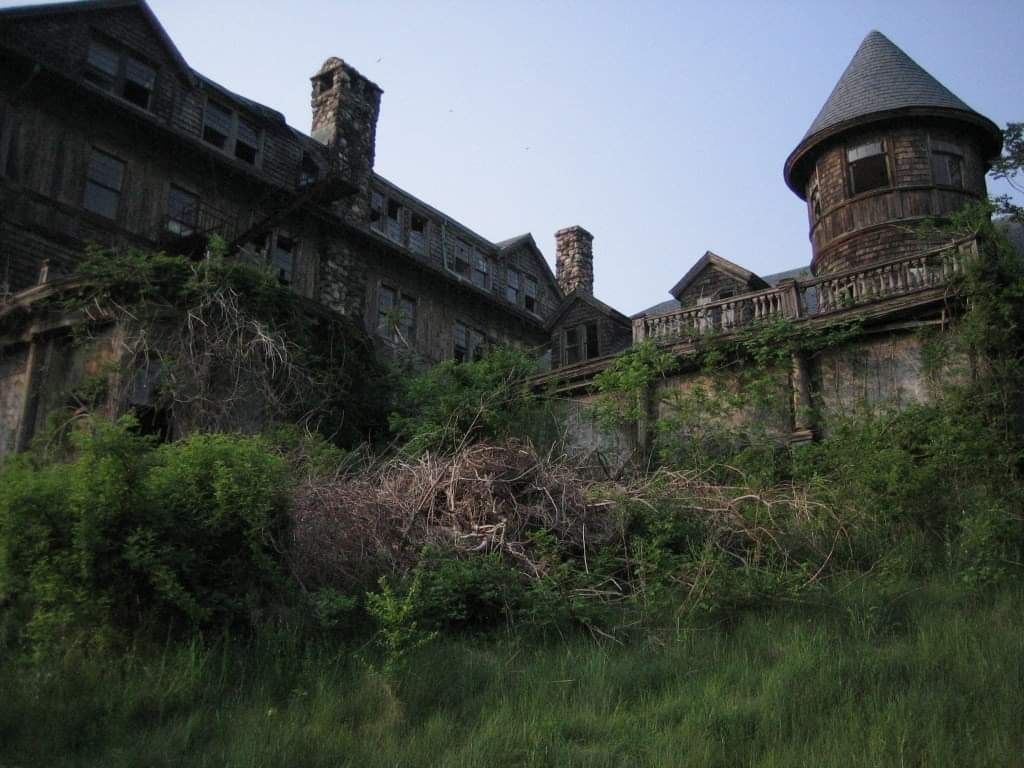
(485,499)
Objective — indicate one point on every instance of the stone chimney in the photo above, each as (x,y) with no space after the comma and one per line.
(574,266)
(345,110)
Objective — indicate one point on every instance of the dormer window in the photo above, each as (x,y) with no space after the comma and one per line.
(480,270)
(230,132)
(120,73)
(460,261)
(947,165)
(530,293)
(867,166)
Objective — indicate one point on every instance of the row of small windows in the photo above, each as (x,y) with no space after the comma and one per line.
(104,184)
(409,228)
(867,168)
(125,75)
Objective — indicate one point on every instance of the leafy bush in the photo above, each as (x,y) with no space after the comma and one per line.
(455,404)
(129,533)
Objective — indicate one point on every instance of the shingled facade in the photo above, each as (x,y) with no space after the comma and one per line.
(108,136)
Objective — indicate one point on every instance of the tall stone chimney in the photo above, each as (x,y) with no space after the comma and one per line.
(574,264)
(345,110)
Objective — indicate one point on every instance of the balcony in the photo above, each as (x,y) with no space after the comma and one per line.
(812,298)
(188,229)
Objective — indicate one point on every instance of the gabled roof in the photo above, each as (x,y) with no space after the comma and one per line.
(575,297)
(53,9)
(526,240)
(882,82)
(711,259)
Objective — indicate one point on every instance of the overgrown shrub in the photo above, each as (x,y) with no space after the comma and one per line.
(130,533)
(454,404)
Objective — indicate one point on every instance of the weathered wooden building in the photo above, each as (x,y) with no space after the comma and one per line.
(108,136)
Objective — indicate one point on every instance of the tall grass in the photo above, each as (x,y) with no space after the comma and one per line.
(931,676)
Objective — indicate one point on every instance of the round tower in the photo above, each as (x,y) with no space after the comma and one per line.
(892,146)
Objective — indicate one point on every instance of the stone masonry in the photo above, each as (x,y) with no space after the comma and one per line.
(575,260)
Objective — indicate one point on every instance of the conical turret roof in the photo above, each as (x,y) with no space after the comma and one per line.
(882,82)
(879,78)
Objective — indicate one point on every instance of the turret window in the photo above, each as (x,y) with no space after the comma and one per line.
(947,165)
(868,168)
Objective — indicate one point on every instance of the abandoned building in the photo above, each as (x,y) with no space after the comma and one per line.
(108,136)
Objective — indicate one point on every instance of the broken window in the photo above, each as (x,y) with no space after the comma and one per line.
(396,315)
(469,343)
(393,221)
(309,171)
(418,233)
(572,351)
(480,270)
(512,285)
(530,293)
(182,212)
(103,184)
(120,73)
(580,343)
(230,132)
(217,124)
(592,350)
(282,257)
(377,211)
(460,261)
(246,141)
(868,168)
(947,164)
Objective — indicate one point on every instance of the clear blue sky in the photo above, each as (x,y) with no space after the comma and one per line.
(660,127)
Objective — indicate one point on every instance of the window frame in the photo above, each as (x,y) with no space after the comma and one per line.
(184,227)
(585,333)
(102,184)
(471,352)
(945,152)
(394,324)
(852,165)
(274,247)
(121,78)
(232,138)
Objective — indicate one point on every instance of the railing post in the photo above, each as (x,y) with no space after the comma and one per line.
(790,296)
(639,329)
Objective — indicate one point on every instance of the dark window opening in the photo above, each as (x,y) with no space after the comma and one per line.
(393,225)
(407,318)
(480,270)
(246,142)
(282,258)
(119,73)
(460,261)
(324,82)
(469,343)
(139,81)
(868,167)
(217,122)
(418,233)
(592,345)
(572,346)
(182,212)
(377,211)
(512,283)
(309,171)
(530,293)
(103,184)
(947,165)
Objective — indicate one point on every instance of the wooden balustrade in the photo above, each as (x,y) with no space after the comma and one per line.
(795,299)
